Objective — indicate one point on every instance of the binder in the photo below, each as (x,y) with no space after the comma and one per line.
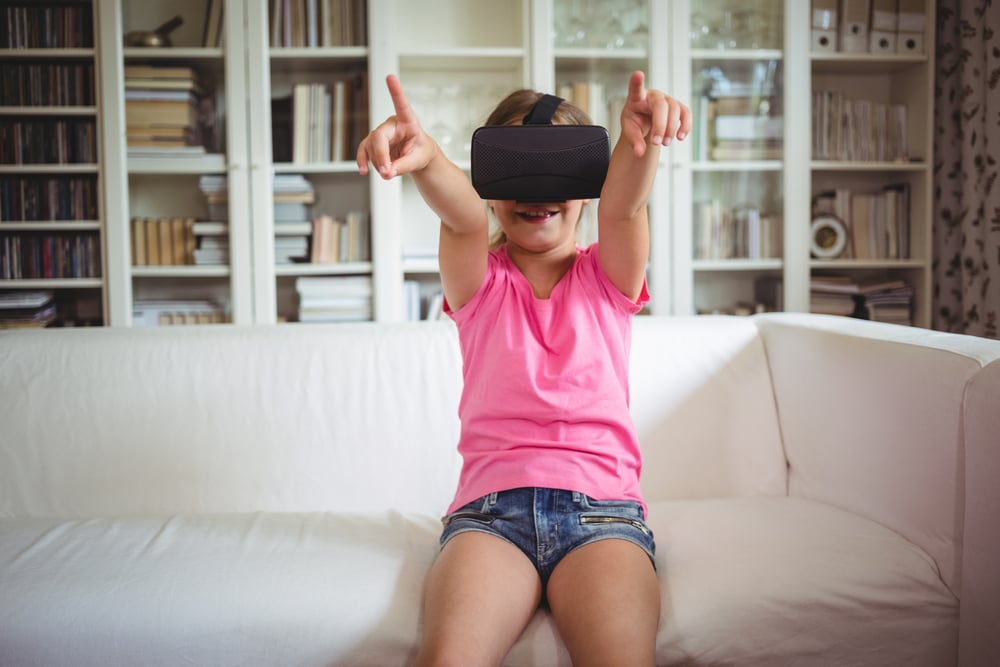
(854,26)
(824,25)
(910,26)
(882,37)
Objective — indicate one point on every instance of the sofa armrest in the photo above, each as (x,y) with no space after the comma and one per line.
(979,632)
(873,419)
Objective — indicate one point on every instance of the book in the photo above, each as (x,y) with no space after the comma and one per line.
(25,299)
(212,35)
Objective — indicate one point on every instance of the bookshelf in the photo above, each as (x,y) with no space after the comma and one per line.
(480,51)
(52,217)
(314,70)
(893,174)
(185,252)
(456,58)
(730,199)
(793,183)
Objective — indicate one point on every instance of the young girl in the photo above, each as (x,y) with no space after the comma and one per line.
(548,505)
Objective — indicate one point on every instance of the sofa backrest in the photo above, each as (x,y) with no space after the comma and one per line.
(704,408)
(334,417)
(228,419)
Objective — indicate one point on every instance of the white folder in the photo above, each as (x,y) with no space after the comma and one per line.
(854,26)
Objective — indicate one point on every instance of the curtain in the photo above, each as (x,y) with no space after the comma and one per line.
(966,171)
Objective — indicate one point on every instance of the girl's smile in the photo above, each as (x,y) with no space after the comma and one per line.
(536,215)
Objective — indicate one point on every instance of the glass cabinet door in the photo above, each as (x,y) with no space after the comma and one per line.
(737,156)
(596,45)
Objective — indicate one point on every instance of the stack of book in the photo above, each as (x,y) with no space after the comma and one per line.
(294,197)
(889,300)
(35,309)
(334,299)
(740,119)
(165,111)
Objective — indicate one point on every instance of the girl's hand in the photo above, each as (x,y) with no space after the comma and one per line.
(399,145)
(652,115)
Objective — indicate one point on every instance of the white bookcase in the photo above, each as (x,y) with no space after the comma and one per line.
(456,58)
(723,43)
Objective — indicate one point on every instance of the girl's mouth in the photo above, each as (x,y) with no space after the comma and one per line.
(536,215)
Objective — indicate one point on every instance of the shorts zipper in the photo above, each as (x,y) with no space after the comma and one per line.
(615,519)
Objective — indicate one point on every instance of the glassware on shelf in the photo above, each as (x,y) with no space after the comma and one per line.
(727,25)
(635,21)
(575,34)
(609,28)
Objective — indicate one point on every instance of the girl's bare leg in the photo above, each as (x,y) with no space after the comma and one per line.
(605,599)
(479,596)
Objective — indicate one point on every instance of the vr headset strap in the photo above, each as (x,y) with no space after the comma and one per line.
(544,109)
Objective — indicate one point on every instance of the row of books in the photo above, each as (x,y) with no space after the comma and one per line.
(47,84)
(48,141)
(165,312)
(882,300)
(857,130)
(417,306)
(334,299)
(178,242)
(721,232)
(293,197)
(318,23)
(24,309)
(319,122)
(46,198)
(212,35)
(336,239)
(877,224)
(33,255)
(49,26)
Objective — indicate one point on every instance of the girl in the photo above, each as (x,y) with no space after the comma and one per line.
(548,505)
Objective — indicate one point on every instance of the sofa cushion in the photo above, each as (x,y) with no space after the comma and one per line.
(789,581)
(756,581)
(255,589)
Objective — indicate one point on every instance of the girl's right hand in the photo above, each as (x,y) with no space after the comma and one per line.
(399,145)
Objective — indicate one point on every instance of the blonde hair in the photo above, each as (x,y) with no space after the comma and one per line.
(512,109)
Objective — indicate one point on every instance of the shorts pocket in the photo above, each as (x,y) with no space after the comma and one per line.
(465,515)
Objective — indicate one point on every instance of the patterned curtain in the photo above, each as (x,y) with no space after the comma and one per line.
(966,171)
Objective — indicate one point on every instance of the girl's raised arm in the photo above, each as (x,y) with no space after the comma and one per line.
(400,146)
(650,119)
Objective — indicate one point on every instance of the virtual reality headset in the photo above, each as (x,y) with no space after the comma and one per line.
(539,161)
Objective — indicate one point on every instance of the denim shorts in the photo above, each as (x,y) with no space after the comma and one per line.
(547,524)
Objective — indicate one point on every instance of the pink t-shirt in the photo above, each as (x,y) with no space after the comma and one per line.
(545,401)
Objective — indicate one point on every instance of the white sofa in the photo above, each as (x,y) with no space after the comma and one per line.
(823,491)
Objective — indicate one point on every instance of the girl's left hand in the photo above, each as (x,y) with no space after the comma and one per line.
(652,115)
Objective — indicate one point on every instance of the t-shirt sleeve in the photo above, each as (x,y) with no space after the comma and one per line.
(469,309)
(611,291)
